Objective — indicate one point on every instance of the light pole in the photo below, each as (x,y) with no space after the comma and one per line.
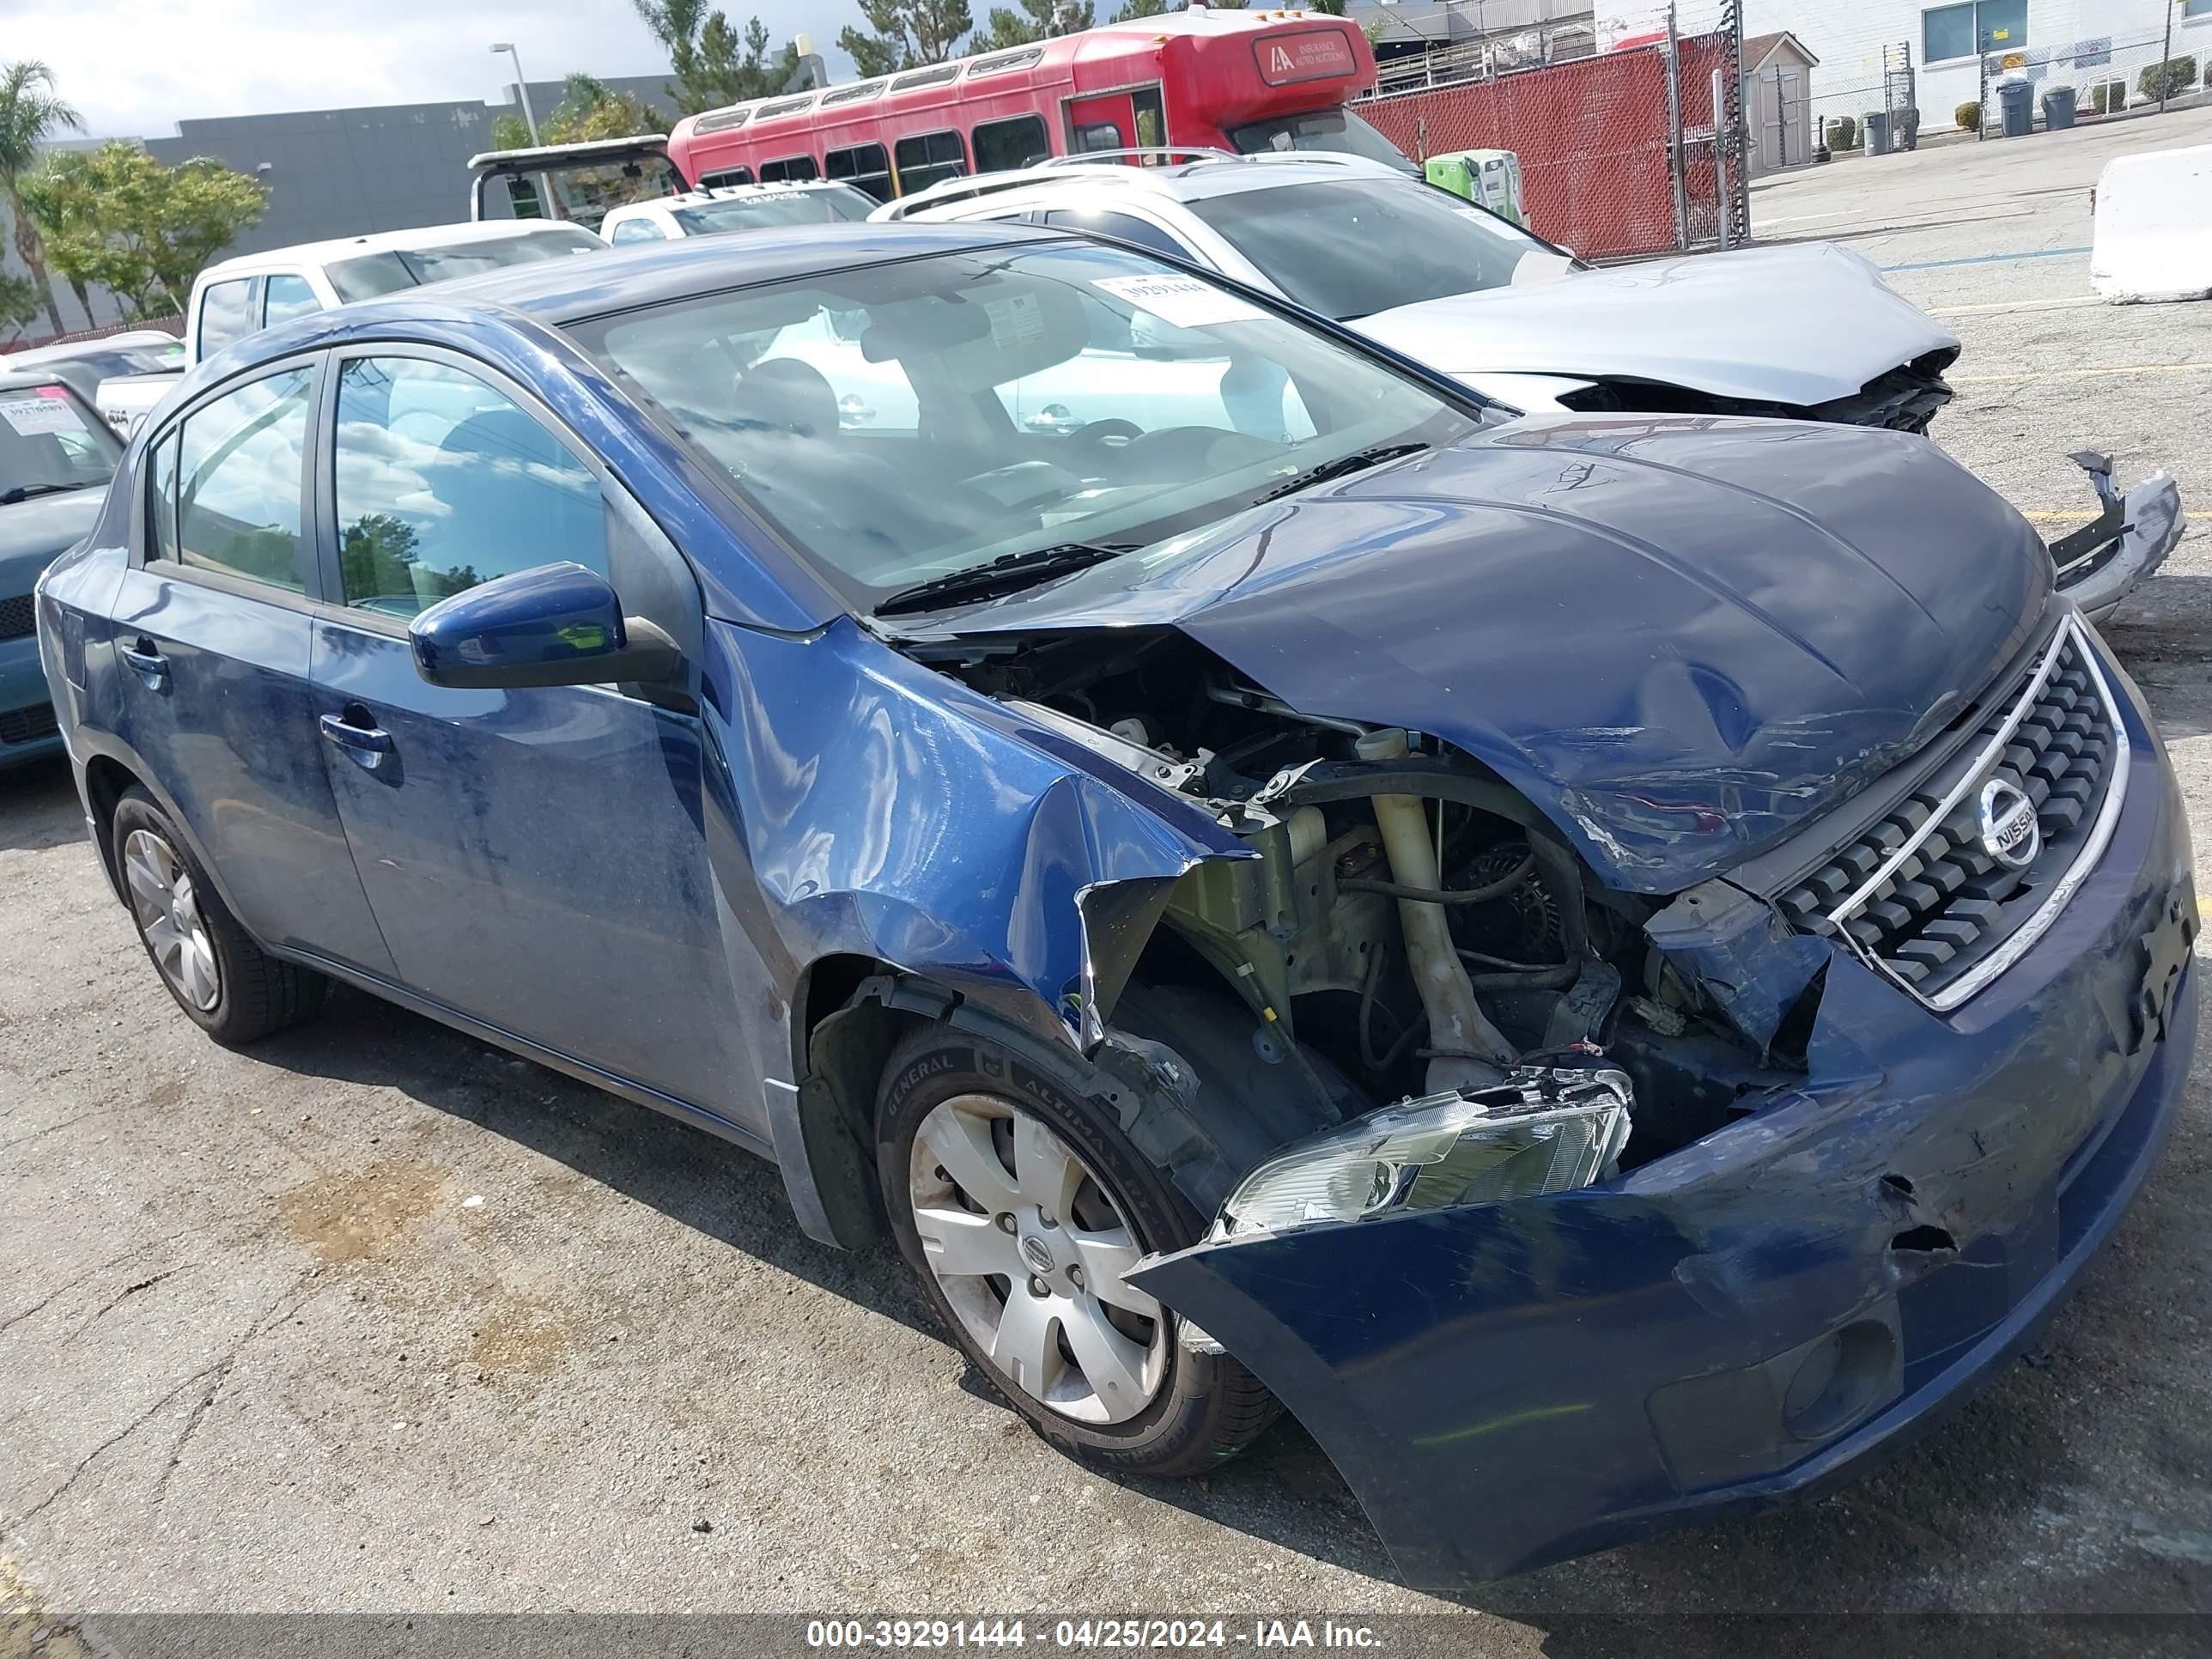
(547,205)
(521,86)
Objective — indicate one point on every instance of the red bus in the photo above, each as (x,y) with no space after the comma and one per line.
(1229,80)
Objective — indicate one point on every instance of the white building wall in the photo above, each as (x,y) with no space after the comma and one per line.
(1848,40)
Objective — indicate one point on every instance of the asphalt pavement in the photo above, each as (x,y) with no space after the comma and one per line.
(376,1319)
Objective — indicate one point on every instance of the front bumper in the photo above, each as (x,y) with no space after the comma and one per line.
(1764,1312)
(2103,562)
(28,732)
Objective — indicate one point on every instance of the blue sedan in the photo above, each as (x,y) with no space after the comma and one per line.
(1613,967)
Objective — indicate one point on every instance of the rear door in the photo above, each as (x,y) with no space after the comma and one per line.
(213,625)
(537,857)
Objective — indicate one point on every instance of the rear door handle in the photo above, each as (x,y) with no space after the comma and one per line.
(145,660)
(357,731)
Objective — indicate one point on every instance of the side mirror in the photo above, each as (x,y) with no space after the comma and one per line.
(559,624)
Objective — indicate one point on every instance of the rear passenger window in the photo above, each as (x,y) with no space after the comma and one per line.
(238,481)
(226,315)
(727,176)
(1122,228)
(286,297)
(864,166)
(442,482)
(789,168)
(1001,145)
(927,157)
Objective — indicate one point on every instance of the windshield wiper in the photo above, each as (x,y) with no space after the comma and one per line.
(24,492)
(1008,574)
(1358,461)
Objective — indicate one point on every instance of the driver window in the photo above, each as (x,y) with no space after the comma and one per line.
(442,482)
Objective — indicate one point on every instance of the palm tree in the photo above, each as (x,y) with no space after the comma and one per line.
(31,113)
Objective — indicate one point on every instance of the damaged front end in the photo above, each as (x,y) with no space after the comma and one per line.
(1745,1198)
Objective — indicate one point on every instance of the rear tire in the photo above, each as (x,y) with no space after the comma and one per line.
(227,985)
(975,1149)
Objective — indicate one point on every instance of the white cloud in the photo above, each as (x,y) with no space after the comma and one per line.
(135,68)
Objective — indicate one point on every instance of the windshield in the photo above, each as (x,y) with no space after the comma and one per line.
(900,423)
(766,211)
(1338,131)
(372,274)
(49,442)
(1352,248)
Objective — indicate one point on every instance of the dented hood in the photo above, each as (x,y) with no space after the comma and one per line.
(1680,639)
(1797,325)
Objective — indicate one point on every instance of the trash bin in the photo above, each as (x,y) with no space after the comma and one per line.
(2059,109)
(1876,126)
(2017,98)
(1489,178)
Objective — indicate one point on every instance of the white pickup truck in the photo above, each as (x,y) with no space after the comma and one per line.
(238,297)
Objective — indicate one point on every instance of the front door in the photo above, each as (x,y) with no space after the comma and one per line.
(1132,120)
(213,629)
(536,858)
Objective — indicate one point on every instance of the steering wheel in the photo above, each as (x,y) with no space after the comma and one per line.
(1086,439)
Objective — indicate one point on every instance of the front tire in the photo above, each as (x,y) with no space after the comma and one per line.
(1019,1206)
(226,984)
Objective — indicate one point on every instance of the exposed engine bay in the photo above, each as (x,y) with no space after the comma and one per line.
(1411,928)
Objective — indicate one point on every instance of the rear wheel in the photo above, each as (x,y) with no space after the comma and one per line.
(228,986)
(1021,1208)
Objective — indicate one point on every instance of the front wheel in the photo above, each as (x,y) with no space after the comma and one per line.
(1021,1209)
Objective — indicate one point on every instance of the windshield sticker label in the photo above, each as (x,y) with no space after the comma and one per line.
(1015,322)
(50,411)
(1183,301)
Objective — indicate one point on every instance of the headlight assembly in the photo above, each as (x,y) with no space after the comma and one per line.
(1540,1131)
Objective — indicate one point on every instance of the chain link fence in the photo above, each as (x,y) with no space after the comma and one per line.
(1629,125)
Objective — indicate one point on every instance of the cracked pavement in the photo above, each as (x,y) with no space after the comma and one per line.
(264,1351)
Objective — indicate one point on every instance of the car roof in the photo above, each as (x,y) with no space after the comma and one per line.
(651,273)
(724,193)
(1204,175)
(383,241)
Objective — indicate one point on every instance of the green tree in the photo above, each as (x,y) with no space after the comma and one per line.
(1035,20)
(907,34)
(1328,8)
(1142,8)
(588,109)
(19,302)
(118,218)
(31,113)
(715,64)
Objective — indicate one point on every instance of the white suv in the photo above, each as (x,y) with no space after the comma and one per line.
(237,297)
(1808,331)
(735,207)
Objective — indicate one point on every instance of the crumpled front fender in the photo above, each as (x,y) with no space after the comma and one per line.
(1762,1311)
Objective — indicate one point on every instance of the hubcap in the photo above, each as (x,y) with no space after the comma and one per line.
(1045,1299)
(167,911)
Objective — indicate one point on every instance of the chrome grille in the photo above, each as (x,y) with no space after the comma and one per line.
(18,617)
(1922,897)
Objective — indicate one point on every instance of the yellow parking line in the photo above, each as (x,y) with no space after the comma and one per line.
(2078,374)
(2017,304)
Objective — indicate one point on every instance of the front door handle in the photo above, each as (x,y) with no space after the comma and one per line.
(145,660)
(357,731)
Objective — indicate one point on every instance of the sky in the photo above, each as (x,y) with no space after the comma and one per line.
(135,69)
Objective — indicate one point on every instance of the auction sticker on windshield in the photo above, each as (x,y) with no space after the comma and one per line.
(1184,301)
(49,411)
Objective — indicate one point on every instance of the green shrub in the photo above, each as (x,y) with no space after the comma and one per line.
(2177,74)
(1969,114)
(1843,133)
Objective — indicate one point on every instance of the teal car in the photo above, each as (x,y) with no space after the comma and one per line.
(57,456)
